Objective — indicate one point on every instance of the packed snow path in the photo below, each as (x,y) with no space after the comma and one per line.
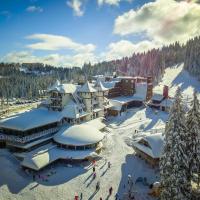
(62,182)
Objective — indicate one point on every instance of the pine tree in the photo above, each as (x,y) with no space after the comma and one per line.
(193,125)
(174,161)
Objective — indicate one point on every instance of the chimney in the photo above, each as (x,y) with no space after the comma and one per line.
(165,91)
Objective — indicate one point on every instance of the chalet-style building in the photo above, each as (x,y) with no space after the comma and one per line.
(149,148)
(67,104)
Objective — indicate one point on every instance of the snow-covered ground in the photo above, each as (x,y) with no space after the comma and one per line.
(66,181)
(178,77)
(62,182)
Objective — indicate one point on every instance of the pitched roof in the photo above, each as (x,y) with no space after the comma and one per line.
(87,87)
(99,86)
(155,141)
(64,88)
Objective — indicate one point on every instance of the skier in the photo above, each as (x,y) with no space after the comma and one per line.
(109,164)
(93,169)
(110,190)
(81,196)
(94,162)
(98,186)
(94,175)
(76,197)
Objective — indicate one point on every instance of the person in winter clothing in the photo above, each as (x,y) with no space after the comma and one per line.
(81,196)
(93,169)
(110,190)
(100,198)
(98,186)
(94,175)
(76,197)
(109,164)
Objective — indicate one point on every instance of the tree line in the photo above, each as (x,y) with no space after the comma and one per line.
(23,80)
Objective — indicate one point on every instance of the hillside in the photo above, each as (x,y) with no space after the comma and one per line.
(177,76)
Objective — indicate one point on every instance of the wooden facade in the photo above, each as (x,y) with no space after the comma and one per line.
(127,87)
(152,161)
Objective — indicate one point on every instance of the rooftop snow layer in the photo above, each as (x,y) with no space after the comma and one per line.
(50,154)
(155,142)
(87,87)
(157,97)
(64,88)
(100,87)
(31,119)
(79,135)
(109,84)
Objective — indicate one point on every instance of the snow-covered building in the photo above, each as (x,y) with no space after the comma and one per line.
(125,92)
(78,142)
(29,129)
(160,102)
(67,104)
(150,148)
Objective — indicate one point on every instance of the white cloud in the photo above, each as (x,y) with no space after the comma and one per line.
(76,5)
(125,48)
(51,59)
(34,9)
(162,21)
(111,2)
(56,42)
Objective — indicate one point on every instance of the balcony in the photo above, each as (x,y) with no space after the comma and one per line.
(25,139)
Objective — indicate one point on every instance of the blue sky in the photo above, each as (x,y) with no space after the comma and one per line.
(71,32)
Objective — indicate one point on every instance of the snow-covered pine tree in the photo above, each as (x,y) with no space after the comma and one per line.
(174,160)
(193,125)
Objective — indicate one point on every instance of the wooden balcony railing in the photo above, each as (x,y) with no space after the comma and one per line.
(25,139)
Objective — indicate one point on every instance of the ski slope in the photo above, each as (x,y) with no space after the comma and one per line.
(175,77)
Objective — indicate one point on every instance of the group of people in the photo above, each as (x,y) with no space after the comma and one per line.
(110,191)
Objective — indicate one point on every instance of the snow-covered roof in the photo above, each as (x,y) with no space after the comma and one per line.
(47,154)
(97,123)
(121,100)
(99,86)
(167,102)
(79,135)
(31,119)
(87,87)
(116,105)
(109,84)
(64,88)
(155,142)
(157,97)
